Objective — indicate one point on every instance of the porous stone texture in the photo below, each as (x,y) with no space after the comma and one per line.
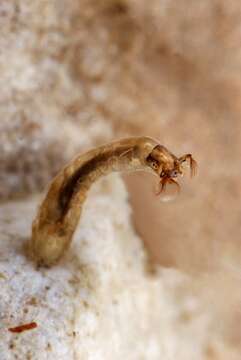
(170,69)
(75,73)
(45,113)
(100,302)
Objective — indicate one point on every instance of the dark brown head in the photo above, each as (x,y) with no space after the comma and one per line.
(167,166)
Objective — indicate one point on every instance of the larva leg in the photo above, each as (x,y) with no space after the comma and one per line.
(192,163)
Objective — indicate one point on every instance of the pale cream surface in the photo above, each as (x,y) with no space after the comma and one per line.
(99,302)
(70,71)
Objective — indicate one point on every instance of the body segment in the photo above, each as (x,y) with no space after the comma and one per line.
(60,211)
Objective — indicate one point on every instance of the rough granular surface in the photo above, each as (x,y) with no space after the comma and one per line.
(74,74)
(45,115)
(100,302)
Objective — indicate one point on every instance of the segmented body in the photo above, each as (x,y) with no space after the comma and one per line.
(60,211)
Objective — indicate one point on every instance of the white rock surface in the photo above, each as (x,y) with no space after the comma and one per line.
(99,302)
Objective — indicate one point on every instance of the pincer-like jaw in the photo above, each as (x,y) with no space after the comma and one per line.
(167,166)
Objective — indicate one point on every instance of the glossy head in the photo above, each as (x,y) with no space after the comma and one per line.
(167,166)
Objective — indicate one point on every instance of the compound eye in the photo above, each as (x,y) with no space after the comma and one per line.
(154,165)
(174,173)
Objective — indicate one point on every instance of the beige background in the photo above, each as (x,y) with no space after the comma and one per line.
(170,69)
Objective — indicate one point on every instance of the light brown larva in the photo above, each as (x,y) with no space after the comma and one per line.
(59,214)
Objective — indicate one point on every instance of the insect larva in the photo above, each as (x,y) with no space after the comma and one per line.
(60,211)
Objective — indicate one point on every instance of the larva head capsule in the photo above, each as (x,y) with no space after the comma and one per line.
(167,166)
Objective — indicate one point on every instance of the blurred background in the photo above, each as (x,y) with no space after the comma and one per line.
(78,73)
